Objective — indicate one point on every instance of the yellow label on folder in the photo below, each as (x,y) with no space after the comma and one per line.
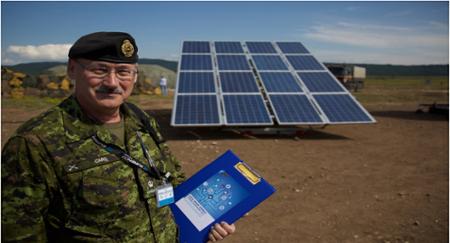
(247,173)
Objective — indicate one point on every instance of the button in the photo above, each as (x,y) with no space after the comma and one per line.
(150,184)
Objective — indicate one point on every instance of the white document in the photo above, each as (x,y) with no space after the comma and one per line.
(195,212)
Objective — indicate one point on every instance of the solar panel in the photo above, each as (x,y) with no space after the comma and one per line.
(196,110)
(341,108)
(237,82)
(260,47)
(320,82)
(196,62)
(304,63)
(257,83)
(196,82)
(292,48)
(269,62)
(245,110)
(228,47)
(196,47)
(279,82)
(232,62)
(294,109)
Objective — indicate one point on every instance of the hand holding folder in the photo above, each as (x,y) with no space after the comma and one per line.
(224,190)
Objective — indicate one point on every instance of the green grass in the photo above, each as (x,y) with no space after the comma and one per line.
(134,98)
(36,103)
(401,89)
(31,102)
(408,82)
(377,89)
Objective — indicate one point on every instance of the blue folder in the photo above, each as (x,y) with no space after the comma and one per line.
(224,190)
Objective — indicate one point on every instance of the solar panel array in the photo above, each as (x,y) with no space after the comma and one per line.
(259,83)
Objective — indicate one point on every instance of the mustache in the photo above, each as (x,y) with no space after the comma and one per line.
(107,90)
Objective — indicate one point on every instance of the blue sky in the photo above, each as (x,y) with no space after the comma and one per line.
(352,32)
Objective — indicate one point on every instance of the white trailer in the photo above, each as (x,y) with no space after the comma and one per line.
(351,76)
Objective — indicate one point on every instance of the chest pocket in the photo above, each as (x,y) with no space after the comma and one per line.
(88,162)
(100,180)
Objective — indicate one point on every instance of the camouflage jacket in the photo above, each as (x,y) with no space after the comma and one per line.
(59,186)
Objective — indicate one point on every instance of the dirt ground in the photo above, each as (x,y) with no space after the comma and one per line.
(383,182)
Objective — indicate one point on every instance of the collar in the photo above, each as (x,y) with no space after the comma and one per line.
(78,126)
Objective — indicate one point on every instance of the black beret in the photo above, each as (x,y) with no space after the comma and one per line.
(117,47)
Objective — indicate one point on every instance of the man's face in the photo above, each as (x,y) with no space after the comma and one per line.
(102,85)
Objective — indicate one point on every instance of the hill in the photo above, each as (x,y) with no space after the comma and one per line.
(423,70)
(36,68)
(154,73)
(151,72)
(403,70)
(171,65)
(49,79)
(58,70)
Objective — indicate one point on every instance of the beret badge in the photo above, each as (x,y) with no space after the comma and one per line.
(127,48)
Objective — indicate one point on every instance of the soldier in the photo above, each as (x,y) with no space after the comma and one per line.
(88,169)
(163,85)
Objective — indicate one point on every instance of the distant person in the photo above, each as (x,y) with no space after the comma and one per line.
(80,171)
(163,85)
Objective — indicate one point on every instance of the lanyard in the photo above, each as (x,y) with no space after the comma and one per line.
(150,161)
(127,158)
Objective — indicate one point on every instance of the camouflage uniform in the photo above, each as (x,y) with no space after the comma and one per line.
(59,186)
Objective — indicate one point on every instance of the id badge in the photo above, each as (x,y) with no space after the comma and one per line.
(164,195)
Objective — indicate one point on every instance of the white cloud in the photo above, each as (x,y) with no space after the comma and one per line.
(168,57)
(174,56)
(376,57)
(438,25)
(385,43)
(7,61)
(51,52)
(372,27)
(376,36)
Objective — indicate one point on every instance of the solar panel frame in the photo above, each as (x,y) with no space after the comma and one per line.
(178,94)
(288,47)
(225,94)
(232,62)
(350,98)
(268,82)
(228,47)
(281,52)
(238,82)
(202,84)
(311,65)
(196,47)
(261,72)
(305,103)
(269,63)
(260,47)
(175,115)
(323,82)
(297,73)
(189,61)
(312,94)
(259,98)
